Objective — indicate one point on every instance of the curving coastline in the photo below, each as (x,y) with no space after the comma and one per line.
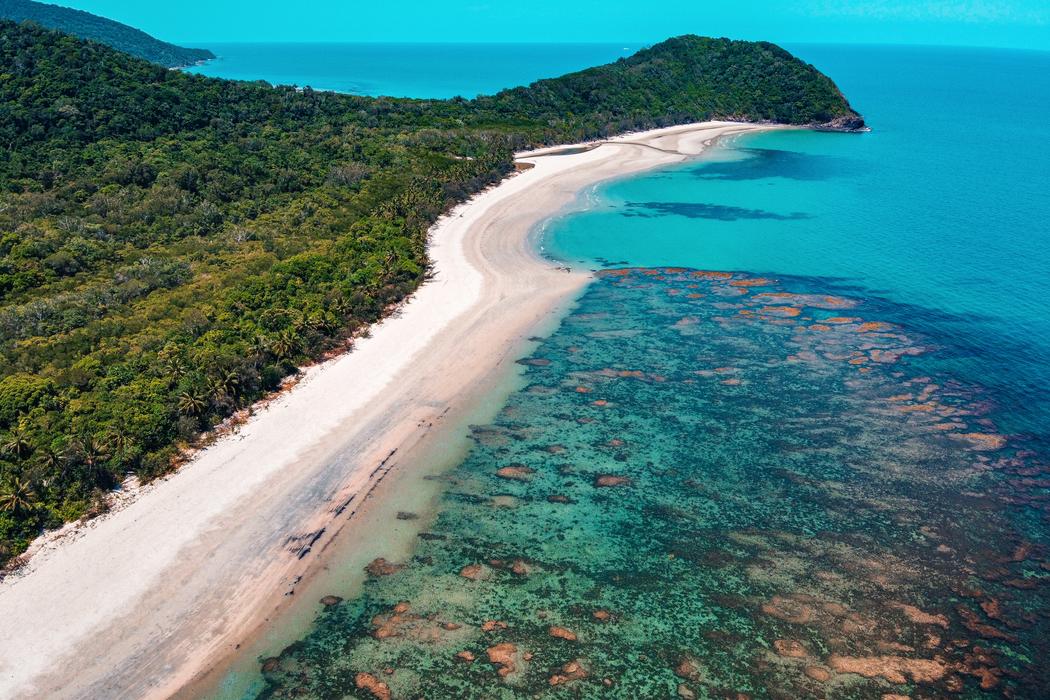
(150,597)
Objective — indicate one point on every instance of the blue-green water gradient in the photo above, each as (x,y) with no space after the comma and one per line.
(945,205)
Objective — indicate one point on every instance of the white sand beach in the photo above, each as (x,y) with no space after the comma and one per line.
(143,600)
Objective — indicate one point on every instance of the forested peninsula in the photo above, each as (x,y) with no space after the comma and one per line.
(172,246)
(106,31)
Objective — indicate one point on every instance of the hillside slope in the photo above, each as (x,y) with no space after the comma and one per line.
(106,31)
(686,79)
(172,246)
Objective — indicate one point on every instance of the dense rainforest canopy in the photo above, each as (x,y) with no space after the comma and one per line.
(173,246)
(106,31)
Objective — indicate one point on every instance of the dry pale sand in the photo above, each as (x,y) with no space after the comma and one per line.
(144,600)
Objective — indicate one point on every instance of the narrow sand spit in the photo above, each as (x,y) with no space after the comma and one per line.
(142,601)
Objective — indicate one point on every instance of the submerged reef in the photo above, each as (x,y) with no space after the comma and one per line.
(716,485)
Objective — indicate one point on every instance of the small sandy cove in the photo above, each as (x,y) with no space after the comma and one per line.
(146,599)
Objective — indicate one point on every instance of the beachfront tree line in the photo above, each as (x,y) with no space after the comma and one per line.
(172,246)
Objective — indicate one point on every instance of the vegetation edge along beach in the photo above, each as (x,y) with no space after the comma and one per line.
(175,245)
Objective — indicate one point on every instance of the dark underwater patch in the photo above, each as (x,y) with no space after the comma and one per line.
(699,210)
(763,163)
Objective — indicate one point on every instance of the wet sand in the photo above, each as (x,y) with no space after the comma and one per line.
(153,596)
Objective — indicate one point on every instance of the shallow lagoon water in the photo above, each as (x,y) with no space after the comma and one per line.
(828,476)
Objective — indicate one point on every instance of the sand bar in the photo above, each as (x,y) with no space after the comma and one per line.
(146,599)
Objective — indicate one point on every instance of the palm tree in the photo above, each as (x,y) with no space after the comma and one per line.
(173,363)
(175,368)
(341,306)
(51,464)
(259,350)
(118,440)
(192,402)
(49,458)
(285,346)
(228,383)
(92,454)
(18,496)
(323,322)
(18,443)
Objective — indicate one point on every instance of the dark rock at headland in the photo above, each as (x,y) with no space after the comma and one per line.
(852,124)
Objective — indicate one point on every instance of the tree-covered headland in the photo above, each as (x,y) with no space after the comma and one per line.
(173,246)
(106,31)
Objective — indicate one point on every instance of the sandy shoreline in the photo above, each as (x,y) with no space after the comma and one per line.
(147,599)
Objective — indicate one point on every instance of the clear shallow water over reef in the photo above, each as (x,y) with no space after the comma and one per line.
(828,476)
(716,484)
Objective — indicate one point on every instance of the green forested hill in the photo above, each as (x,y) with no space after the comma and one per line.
(171,246)
(106,31)
(687,78)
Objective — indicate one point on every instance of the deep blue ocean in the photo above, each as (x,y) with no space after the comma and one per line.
(793,441)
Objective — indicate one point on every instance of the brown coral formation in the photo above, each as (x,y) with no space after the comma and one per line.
(921,618)
(980,664)
(611,480)
(789,648)
(400,622)
(788,610)
(895,669)
(562,633)
(572,671)
(378,689)
(382,567)
(873,326)
(506,657)
(781,311)
(973,622)
(983,441)
(474,572)
(515,472)
(688,668)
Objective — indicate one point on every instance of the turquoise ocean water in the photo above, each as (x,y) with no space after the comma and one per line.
(794,440)
(406,70)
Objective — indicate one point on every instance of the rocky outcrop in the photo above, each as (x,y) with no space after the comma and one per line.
(853,123)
